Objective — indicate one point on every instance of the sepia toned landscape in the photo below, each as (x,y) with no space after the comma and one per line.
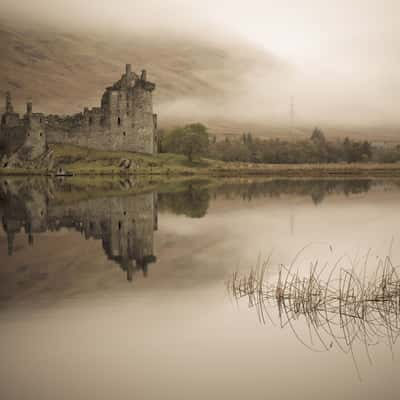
(199,200)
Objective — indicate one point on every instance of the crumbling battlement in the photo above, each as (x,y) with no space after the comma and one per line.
(25,136)
(124,122)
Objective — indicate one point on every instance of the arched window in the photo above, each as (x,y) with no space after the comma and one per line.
(124,133)
(41,134)
(119,121)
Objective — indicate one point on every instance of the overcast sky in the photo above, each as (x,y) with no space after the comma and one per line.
(299,29)
(340,45)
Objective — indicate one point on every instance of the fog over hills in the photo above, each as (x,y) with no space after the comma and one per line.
(202,75)
(196,80)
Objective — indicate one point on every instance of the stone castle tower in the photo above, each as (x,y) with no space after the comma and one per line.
(124,122)
(24,135)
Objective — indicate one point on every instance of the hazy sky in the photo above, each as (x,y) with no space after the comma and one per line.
(298,29)
(348,49)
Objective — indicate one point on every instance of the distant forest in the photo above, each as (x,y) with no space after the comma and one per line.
(194,140)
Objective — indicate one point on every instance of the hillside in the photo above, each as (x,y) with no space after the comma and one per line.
(232,86)
(196,80)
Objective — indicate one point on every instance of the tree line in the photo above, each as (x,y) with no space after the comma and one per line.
(195,141)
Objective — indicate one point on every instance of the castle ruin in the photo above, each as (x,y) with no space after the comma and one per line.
(124,122)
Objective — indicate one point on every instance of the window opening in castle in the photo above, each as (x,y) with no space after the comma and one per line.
(119,121)
(124,133)
(90,120)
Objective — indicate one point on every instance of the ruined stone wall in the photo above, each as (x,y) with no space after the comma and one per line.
(143,120)
(14,138)
(66,130)
(12,132)
(35,142)
(155,136)
(124,122)
(25,136)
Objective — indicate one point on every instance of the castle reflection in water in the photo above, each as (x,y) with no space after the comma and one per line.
(124,224)
(124,217)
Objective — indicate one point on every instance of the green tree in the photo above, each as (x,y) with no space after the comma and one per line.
(171,141)
(194,141)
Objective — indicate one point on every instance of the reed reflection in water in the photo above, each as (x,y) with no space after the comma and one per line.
(341,305)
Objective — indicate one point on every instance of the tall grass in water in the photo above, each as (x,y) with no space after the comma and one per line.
(340,306)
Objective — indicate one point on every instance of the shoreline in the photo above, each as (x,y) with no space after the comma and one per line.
(226,171)
(67,160)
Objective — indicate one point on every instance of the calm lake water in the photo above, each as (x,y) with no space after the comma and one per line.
(108,294)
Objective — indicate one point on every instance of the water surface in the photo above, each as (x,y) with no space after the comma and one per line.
(110,290)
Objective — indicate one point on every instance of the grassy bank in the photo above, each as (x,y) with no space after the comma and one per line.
(80,161)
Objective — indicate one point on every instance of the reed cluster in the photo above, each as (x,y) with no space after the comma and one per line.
(339,305)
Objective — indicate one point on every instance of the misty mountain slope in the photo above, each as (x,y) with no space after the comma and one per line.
(195,80)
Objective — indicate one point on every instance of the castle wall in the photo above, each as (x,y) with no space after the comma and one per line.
(14,138)
(12,131)
(124,122)
(35,142)
(143,120)
(26,136)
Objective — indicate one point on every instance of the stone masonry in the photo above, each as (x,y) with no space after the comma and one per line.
(124,122)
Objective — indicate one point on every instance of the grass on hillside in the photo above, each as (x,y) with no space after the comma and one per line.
(80,160)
